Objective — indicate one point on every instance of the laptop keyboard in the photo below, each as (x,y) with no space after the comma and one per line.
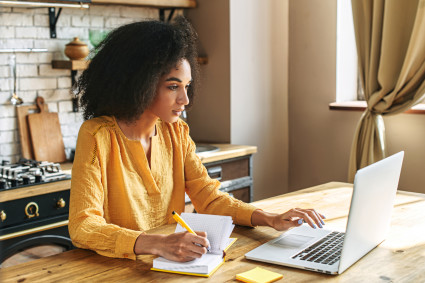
(326,251)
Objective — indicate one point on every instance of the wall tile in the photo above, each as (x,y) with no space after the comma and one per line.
(46,70)
(37,83)
(104,11)
(16,19)
(8,124)
(26,70)
(7,32)
(5,84)
(7,137)
(27,96)
(53,107)
(4,71)
(66,106)
(25,32)
(80,21)
(9,149)
(41,20)
(55,94)
(44,57)
(7,111)
(116,22)
(14,43)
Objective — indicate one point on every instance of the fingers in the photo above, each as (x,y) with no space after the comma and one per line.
(310,216)
(183,246)
(201,239)
(195,245)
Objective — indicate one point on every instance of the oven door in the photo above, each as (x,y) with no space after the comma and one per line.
(34,221)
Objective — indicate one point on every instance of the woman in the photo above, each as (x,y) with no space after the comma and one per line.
(135,159)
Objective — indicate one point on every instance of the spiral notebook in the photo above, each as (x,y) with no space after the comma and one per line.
(218,230)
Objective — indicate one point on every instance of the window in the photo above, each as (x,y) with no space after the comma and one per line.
(349,95)
(346,54)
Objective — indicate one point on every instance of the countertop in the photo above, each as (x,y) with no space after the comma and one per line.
(226,151)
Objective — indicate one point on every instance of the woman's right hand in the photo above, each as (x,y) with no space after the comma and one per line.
(180,247)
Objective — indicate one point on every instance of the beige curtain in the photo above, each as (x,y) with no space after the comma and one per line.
(390,37)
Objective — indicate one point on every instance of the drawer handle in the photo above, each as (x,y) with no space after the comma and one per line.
(61,203)
(215,172)
(31,210)
(3,216)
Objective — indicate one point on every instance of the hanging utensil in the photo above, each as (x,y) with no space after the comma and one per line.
(15,99)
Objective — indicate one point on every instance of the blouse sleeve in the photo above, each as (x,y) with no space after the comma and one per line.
(204,192)
(87,226)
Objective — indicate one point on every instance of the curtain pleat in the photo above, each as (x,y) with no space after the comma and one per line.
(390,39)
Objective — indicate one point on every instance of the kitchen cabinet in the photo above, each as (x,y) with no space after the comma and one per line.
(232,166)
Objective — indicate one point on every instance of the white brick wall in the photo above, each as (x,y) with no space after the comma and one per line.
(29,28)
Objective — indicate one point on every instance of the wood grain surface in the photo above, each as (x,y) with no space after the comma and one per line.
(398,259)
(22,111)
(227,151)
(46,135)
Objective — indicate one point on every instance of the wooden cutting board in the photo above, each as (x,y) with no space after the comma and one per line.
(22,111)
(46,135)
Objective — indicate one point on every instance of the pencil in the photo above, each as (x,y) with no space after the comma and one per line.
(180,220)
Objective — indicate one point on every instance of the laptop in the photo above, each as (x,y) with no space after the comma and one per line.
(332,252)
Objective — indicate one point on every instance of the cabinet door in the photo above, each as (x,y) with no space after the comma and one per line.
(241,194)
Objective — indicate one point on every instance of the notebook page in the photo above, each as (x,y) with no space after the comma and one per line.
(218,228)
(227,234)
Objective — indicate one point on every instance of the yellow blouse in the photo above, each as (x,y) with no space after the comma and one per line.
(115,195)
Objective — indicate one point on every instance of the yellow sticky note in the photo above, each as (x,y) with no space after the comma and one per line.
(258,275)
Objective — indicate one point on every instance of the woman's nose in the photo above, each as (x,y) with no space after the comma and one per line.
(183,98)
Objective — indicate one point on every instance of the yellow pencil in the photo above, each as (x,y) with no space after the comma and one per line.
(180,220)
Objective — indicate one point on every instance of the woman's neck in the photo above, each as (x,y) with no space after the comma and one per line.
(141,129)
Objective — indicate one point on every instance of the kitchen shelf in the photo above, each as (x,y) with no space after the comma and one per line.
(73,65)
(151,3)
(76,65)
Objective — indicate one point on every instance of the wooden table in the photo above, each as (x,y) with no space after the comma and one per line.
(400,258)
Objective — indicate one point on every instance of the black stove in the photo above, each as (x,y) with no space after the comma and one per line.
(27,172)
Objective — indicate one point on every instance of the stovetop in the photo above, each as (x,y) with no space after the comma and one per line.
(28,172)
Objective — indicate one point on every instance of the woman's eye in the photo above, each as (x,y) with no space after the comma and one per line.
(187,86)
(172,87)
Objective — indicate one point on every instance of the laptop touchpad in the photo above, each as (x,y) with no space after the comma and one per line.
(292,241)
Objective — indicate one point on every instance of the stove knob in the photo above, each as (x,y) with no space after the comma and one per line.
(26,180)
(3,184)
(61,203)
(3,216)
(13,183)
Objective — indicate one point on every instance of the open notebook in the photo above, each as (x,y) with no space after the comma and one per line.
(218,230)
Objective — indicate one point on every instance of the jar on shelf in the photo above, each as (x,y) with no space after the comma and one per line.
(76,49)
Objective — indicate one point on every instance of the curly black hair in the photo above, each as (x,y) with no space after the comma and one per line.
(122,78)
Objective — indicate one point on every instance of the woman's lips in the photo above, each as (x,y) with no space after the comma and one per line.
(178,112)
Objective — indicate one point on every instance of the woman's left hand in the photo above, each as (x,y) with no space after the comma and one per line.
(290,219)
